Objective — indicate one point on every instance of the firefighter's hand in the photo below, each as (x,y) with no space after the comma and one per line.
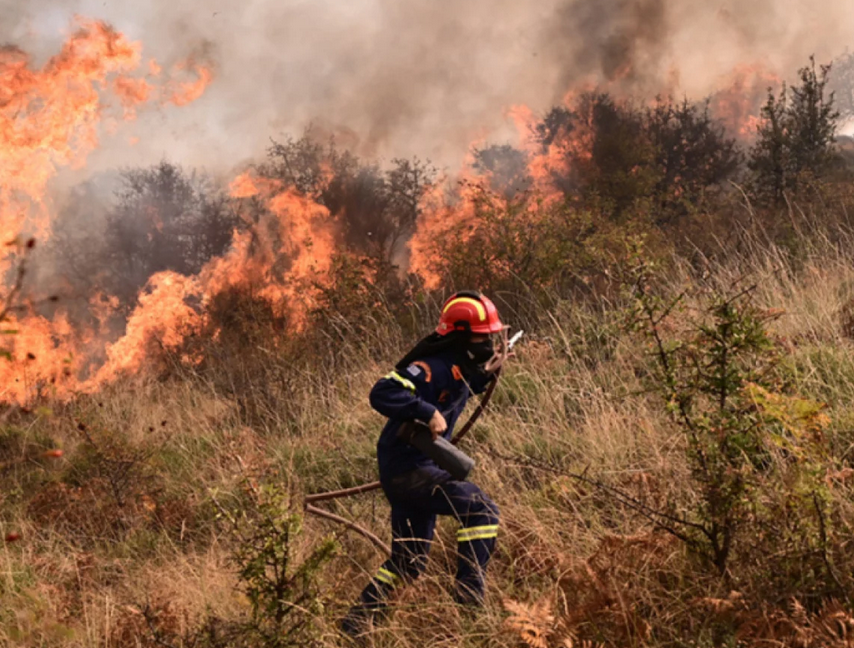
(438,424)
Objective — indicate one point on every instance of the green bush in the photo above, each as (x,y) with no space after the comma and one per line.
(281,588)
(756,451)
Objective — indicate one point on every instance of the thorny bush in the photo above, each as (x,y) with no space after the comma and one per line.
(755,450)
(282,589)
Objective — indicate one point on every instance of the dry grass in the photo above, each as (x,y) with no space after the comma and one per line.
(575,566)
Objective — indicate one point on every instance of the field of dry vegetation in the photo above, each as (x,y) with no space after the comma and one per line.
(148,529)
(182,363)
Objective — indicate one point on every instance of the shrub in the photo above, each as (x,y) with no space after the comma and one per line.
(282,590)
(756,452)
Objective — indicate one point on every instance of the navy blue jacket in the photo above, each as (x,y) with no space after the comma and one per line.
(428,384)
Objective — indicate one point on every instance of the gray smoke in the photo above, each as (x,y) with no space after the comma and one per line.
(426,77)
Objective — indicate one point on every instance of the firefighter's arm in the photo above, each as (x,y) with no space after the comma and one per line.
(405,396)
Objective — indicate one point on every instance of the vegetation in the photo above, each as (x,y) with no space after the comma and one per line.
(671,450)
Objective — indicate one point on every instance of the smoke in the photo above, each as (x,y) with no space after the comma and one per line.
(386,78)
(426,77)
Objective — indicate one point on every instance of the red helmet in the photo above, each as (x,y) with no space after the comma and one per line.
(469,311)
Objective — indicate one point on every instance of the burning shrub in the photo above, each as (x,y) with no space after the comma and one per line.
(526,249)
(609,156)
(164,219)
(377,209)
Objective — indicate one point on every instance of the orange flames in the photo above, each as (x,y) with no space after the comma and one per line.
(455,218)
(182,93)
(441,219)
(300,230)
(738,105)
(51,118)
(162,317)
(290,227)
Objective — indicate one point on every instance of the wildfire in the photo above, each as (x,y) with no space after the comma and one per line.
(173,306)
(51,118)
(54,117)
(440,220)
(163,317)
(738,104)
(456,217)
(301,230)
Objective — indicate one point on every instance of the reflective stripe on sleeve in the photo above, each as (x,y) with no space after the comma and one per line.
(477,533)
(403,381)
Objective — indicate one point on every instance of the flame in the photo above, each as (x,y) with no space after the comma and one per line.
(131,92)
(739,102)
(303,225)
(39,362)
(54,117)
(162,316)
(173,306)
(439,220)
(544,164)
(304,234)
(184,92)
(737,105)
(51,118)
(456,218)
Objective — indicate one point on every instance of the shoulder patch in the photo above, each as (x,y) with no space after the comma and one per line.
(428,373)
(458,375)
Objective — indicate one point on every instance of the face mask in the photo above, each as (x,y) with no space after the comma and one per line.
(480,352)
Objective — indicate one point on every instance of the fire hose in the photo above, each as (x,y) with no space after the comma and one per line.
(310,500)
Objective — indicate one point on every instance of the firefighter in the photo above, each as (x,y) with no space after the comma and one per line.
(431,384)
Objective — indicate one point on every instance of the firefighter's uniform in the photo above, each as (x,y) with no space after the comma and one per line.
(418,490)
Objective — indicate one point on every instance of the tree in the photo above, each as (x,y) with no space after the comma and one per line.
(620,159)
(376,207)
(813,121)
(797,138)
(769,161)
(164,219)
(620,169)
(693,154)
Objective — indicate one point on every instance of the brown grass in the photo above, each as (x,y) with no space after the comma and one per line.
(575,567)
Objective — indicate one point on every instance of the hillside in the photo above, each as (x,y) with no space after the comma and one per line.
(125,539)
(186,354)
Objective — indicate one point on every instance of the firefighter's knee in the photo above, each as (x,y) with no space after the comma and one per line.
(490,509)
(485,508)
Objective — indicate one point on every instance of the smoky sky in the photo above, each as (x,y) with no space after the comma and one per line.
(420,77)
